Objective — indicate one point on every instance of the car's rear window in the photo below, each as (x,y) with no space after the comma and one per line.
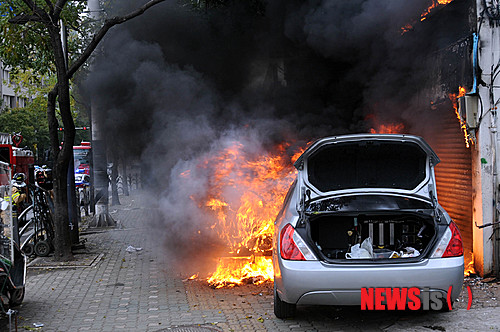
(367,164)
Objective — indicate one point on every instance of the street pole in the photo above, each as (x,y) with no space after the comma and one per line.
(485,155)
(101,218)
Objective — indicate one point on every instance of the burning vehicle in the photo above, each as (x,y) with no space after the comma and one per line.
(363,213)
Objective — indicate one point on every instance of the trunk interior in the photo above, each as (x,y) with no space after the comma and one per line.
(394,236)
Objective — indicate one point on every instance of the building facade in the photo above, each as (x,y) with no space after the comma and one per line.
(9,97)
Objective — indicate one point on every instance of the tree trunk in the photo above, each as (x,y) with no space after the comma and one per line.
(73,204)
(115,200)
(125,176)
(62,156)
(49,15)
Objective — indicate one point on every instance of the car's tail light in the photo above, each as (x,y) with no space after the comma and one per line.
(450,244)
(292,247)
(455,247)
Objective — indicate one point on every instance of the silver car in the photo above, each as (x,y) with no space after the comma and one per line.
(363,215)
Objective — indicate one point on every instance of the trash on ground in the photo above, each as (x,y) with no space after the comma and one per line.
(193,277)
(132,249)
(38,324)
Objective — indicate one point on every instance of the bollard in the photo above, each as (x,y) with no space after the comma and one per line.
(9,313)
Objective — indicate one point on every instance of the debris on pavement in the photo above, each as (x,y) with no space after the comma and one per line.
(193,277)
(132,249)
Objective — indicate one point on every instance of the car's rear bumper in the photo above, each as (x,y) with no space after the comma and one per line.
(315,282)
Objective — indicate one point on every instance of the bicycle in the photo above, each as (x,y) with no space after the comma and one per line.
(37,234)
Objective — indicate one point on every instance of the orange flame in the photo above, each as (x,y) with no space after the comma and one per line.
(388,127)
(238,270)
(423,16)
(406,28)
(469,269)
(435,3)
(454,99)
(392,128)
(245,193)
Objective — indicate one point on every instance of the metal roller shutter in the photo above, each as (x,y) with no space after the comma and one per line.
(454,176)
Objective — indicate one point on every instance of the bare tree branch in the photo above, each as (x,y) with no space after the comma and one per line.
(23,19)
(37,10)
(30,4)
(108,24)
(38,15)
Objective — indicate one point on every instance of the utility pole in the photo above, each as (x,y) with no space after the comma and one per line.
(485,157)
(102,218)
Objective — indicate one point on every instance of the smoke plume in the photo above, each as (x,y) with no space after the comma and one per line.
(178,85)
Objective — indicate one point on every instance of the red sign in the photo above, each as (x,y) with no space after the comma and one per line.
(412,298)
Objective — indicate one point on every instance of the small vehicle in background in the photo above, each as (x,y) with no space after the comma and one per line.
(82,184)
(81,157)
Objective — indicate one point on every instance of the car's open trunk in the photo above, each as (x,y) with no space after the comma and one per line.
(392,236)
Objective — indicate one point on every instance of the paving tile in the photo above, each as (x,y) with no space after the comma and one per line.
(136,292)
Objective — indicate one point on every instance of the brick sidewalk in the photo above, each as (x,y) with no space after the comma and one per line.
(139,291)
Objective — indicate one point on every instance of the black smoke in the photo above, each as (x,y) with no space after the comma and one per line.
(339,61)
(177,83)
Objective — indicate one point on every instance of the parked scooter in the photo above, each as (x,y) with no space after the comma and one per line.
(12,259)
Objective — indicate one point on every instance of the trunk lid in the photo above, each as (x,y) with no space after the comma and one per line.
(369,163)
